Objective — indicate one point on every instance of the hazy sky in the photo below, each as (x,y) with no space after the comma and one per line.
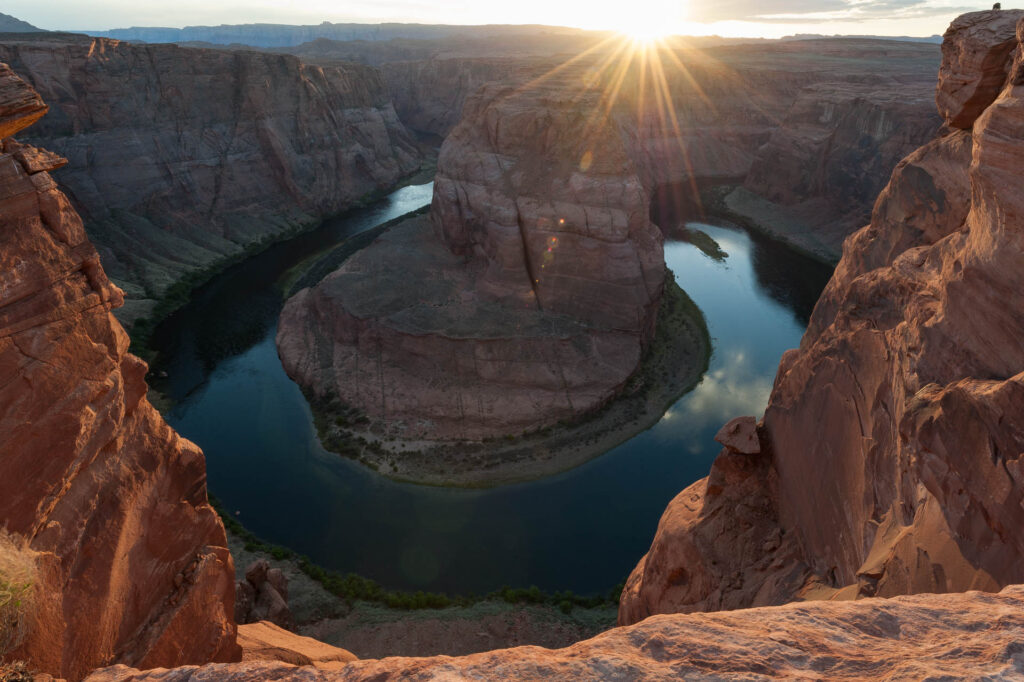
(769,18)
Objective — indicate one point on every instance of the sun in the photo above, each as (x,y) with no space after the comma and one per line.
(646,21)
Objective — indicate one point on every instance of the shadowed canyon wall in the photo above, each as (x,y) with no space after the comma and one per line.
(179,158)
(890,452)
(808,129)
(132,561)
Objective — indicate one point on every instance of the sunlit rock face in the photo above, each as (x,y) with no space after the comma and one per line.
(892,441)
(180,157)
(132,561)
(962,636)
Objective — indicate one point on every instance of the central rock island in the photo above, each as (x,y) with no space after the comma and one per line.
(527,297)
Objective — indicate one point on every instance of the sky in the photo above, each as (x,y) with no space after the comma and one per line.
(756,18)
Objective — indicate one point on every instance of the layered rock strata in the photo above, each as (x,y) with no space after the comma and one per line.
(132,564)
(963,636)
(180,158)
(891,446)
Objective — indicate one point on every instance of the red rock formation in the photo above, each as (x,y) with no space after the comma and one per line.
(892,441)
(182,157)
(973,635)
(264,641)
(530,299)
(133,562)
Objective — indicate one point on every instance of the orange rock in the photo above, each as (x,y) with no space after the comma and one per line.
(957,636)
(264,641)
(134,565)
(977,49)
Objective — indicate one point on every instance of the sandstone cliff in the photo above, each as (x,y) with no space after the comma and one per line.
(891,447)
(132,562)
(179,158)
(963,636)
(528,300)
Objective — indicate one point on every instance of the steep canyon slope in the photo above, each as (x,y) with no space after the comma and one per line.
(132,563)
(891,447)
(180,158)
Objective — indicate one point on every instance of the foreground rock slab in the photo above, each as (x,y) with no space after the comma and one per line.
(973,635)
(264,641)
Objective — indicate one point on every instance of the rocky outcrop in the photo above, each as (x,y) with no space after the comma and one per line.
(181,158)
(132,561)
(263,596)
(891,446)
(528,300)
(971,635)
(975,64)
(263,641)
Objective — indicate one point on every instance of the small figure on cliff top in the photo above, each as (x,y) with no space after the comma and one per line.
(998,5)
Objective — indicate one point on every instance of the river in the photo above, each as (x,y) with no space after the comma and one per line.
(582,530)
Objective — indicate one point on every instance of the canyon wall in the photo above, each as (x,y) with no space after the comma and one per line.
(890,452)
(180,158)
(132,562)
(809,130)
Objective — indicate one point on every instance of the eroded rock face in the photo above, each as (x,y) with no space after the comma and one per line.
(976,54)
(133,563)
(181,157)
(894,432)
(906,638)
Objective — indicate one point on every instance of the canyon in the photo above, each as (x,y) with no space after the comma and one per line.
(910,366)
(183,159)
(887,462)
(540,255)
(805,131)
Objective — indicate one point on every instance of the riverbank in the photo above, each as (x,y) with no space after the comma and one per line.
(797,231)
(140,326)
(672,365)
(466,625)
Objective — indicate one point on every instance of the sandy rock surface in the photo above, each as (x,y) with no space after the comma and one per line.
(962,636)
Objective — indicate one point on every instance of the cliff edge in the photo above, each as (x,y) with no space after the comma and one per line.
(131,562)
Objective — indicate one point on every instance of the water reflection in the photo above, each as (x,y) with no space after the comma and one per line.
(582,530)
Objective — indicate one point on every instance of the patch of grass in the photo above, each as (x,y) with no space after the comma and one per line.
(17,590)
